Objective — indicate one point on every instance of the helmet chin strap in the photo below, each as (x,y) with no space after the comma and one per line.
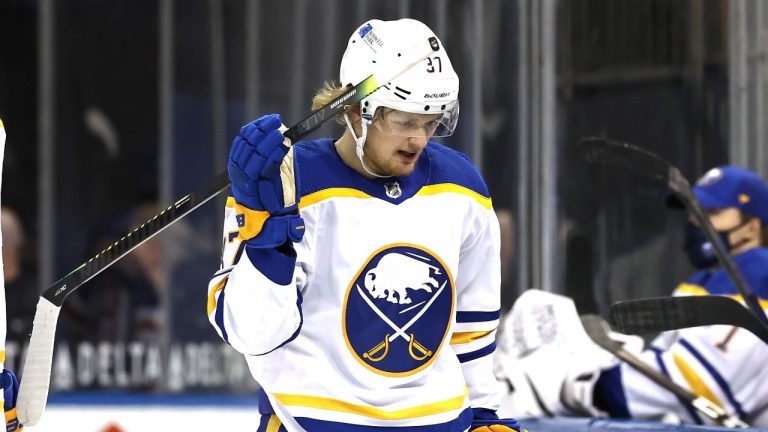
(360,143)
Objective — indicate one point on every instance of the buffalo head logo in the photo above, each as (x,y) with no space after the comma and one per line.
(395,274)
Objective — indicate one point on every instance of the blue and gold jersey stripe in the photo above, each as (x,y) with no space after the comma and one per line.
(695,382)
(467,337)
(329,193)
(428,190)
(324,403)
(716,376)
(274,424)
(212,294)
(455,189)
(477,316)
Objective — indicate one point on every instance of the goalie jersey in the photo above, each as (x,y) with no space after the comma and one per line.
(386,316)
(725,364)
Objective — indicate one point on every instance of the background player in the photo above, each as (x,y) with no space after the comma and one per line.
(722,363)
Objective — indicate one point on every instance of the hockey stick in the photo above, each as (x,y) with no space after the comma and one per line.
(597,330)
(3,322)
(608,151)
(654,315)
(37,367)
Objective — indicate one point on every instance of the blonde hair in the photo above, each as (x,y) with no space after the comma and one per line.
(325,95)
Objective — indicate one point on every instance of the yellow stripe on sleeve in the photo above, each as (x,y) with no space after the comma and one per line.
(696,384)
(274,424)
(467,337)
(212,294)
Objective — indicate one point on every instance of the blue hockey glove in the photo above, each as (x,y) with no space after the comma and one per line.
(10,392)
(486,420)
(254,165)
(258,181)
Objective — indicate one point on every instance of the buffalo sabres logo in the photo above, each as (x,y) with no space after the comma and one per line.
(398,310)
(712,176)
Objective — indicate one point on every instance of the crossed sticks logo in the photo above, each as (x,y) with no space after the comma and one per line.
(398,309)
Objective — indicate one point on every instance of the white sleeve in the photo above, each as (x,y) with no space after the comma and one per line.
(478,283)
(254,300)
(722,363)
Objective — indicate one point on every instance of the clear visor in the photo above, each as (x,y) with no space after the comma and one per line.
(405,124)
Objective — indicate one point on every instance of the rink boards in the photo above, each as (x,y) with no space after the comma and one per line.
(127,413)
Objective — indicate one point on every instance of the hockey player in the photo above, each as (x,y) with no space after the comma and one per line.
(725,364)
(360,276)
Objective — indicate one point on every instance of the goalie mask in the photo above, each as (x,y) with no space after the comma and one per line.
(430,87)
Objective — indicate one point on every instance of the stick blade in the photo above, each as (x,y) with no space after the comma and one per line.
(599,150)
(36,375)
(605,151)
(655,315)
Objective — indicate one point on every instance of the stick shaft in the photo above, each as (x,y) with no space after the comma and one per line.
(58,291)
(597,330)
(658,314)
(3,320)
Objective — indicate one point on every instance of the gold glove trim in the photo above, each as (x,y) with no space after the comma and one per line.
(249,222)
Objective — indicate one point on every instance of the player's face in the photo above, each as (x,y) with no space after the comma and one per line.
(745,234)
(396,139)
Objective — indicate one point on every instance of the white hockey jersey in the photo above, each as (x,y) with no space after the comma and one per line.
(727,365)
(387,315)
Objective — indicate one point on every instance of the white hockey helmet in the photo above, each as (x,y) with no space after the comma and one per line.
(431,87)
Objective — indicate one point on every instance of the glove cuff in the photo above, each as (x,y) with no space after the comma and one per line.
(486,420)
(277,230)
(276,265)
